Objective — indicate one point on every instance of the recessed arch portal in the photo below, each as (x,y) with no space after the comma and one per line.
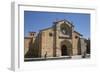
(64,50)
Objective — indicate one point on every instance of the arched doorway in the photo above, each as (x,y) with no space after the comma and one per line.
(64,51)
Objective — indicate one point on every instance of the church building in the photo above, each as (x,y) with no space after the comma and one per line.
(56,41)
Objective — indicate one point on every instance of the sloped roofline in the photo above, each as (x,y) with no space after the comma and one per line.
(78,33)
(56,23)
(64,21)
(46,29)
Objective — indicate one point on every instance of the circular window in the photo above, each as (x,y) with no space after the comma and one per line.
(64,29)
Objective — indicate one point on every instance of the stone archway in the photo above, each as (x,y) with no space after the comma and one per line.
(64,50)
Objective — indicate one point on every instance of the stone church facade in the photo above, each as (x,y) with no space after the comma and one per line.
(58,40)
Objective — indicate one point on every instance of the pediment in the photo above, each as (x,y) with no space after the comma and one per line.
(66,22)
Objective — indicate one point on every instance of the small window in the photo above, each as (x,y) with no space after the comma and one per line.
(50,34)
(76,37)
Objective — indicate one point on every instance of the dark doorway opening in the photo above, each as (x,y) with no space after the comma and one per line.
(64,51)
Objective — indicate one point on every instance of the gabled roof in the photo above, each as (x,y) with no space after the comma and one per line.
(64,21)
(46,29)
(58,22)
(78,33)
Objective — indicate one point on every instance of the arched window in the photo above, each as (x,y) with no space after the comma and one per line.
(65,29)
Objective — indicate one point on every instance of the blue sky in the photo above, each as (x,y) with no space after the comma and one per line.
(35,21)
